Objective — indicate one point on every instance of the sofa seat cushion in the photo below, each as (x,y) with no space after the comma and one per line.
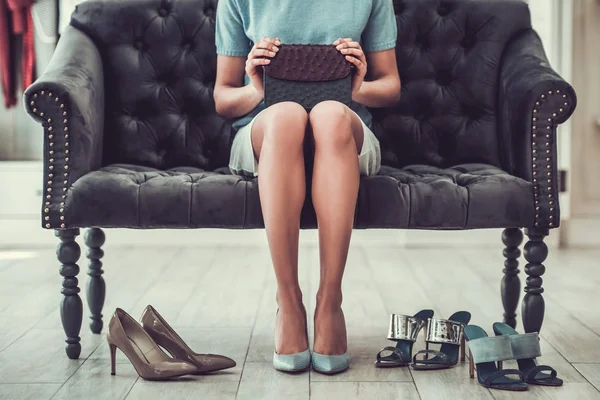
(419,197)
(465,196)
(132,196)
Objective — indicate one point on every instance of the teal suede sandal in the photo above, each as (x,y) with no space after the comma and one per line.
(484,352)
(525,348)
(448,333)
(403,330)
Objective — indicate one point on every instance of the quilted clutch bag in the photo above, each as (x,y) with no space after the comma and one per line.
(308,74)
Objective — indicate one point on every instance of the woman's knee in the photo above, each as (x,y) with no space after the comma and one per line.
(285,124)
(331,123)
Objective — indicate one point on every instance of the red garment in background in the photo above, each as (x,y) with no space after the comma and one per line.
(19,12)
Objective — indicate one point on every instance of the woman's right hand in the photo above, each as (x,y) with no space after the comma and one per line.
(259,56)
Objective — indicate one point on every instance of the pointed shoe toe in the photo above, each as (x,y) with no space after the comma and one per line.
(206,363)
(292,362)
(330,365)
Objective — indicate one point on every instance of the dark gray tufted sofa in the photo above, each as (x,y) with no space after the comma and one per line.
(132,139)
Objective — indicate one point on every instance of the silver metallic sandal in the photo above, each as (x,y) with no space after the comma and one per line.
(404,330)
(448,333)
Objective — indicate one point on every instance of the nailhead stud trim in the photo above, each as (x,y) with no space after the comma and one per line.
(54,186)
(544,147)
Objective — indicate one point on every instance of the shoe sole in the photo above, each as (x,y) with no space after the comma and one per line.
(292,371)
(390,365)
(329,373)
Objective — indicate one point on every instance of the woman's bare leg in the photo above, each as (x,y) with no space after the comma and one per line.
(338,136)
(278,136)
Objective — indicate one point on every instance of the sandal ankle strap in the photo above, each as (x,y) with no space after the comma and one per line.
(405,327)
(444,331)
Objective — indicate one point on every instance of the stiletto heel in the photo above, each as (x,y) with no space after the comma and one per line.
(526,348)
(462,348)
(404,330)
(148,359)
(471,366)
(484,352)
(113,358)
(448,333)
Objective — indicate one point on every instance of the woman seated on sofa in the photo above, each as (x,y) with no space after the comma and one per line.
(270,143)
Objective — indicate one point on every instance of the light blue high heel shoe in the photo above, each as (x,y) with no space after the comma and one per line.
(330,365)
(297,362)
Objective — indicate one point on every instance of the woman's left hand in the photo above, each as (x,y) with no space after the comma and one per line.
(354,54)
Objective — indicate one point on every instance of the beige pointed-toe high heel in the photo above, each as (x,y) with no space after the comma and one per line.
(148,359)
(166,337)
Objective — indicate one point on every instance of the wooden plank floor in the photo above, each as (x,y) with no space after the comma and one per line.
(221,300)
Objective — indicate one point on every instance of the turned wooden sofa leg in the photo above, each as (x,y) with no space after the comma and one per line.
(510,287)
(71,309)
(96,288)
(535,252)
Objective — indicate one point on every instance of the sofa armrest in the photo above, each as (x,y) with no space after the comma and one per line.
(533,101)
(529,88)
(68,100)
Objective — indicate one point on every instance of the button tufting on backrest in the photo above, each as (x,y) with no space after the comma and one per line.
(444,9)
(165,78)
(187,43)
(449,69)
(209,12)
(473,113)
(422,41)
(162,153)
(460,52)
(159,108)
(188,110)
(421,116)
(143,109)
(444,77)
(399,6)
(139,43)
(467,42)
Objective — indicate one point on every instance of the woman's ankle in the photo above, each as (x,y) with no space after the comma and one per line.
(289,298)
(329,298)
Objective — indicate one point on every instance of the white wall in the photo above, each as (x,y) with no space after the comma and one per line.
(66,9)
